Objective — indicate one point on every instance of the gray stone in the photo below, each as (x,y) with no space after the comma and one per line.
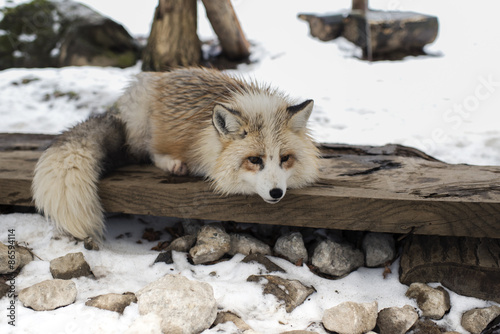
(291,247)
(426,326)
(262,259)
(13,257)
(185,306)
(476,320)
(112,301)
(379,249)
(69,266)
(4,289)
(223,317)
(395,320)
(246,245)
(49,295)
(165,257)
(211,244)
(292,292)
(336,259)
(182,244)
(433,302)
(191,226)
(351,318)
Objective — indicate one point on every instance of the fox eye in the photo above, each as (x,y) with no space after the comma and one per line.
(285,158)
(255,160)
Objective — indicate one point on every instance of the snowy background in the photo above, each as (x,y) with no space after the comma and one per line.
(445,104)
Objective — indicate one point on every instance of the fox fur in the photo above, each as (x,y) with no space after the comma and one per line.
(244,137)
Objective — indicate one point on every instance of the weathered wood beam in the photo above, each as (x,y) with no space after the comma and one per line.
(383,189)
(226,25)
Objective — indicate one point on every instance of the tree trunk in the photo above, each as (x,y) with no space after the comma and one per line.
(227,27)
(173,40)
(361,5)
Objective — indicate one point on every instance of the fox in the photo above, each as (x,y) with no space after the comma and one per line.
(242,136)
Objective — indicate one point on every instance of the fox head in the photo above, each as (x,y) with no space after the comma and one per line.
(265,146)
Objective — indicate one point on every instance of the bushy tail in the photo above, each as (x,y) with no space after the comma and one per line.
(66,176)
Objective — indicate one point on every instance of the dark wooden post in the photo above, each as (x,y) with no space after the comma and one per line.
(361,5)
(227,27)
(173,40)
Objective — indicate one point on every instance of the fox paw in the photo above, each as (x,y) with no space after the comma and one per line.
(179,168)
(168,164)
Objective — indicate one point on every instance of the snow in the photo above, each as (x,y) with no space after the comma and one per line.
(445,104)
(123,265)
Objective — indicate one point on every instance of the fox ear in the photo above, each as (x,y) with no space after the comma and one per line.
(299,114)
(225,120)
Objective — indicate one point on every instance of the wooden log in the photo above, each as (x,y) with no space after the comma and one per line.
(382,189)
(227,27)
(361,5)
(173,40)
(468,266)
(392,34)
(324,27)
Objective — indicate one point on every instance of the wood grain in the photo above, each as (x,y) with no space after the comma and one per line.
(381,189)
(468,266)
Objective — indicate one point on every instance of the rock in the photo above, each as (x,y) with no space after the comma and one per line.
(191,226)
(49,295)
(21,257)
(336,259)
(299,332)
(434,303)
(351,318)
(165,257)
(262,259)
(184,306)
(64,33)
(426,326)
(211,244)
(246,244)
(90,244)
(493,327)
(291,247)
(112,301)
(4,289)
(395,320)
(182,244)
(379,248)
(292,292)
(223,317)
(476,320)
(69,266)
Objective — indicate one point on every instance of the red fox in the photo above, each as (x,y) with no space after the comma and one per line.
(244,137)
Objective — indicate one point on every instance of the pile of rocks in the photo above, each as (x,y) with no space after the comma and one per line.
(171,300)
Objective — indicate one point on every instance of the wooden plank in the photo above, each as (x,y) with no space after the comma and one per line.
(382,189)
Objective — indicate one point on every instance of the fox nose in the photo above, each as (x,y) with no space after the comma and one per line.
(276,193)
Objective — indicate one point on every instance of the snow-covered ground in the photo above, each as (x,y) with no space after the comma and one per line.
(446,104)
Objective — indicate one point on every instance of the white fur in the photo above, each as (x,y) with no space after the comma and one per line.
(65,188)
(134,111)
(170,165)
